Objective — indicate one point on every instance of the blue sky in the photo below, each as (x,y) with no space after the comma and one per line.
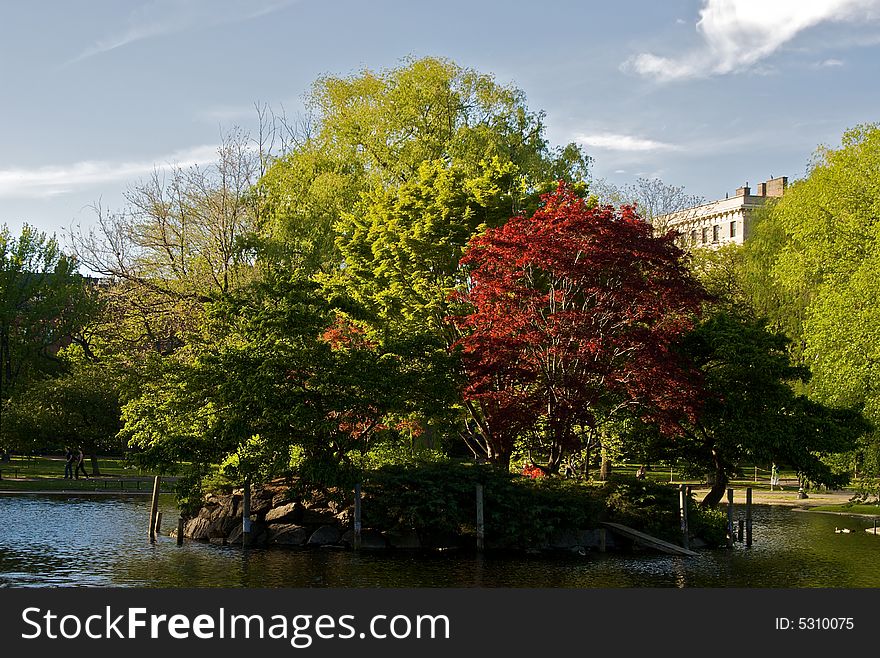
(708,94)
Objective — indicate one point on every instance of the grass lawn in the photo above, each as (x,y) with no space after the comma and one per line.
(47,474)
(870,509)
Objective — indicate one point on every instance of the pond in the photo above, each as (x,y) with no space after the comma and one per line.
(48,541)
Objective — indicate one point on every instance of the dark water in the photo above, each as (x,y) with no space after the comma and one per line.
(100,541)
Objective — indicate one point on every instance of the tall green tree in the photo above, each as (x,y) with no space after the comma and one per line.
(820,248)
(42,303)
(751,412)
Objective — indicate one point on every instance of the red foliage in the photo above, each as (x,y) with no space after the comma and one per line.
(575,311)
(345,334)
(532,471)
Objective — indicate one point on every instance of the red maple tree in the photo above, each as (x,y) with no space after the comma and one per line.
(574,314)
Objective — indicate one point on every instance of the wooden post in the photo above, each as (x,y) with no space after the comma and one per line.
(246,512)
(670,475)
(601,540)
(154,509)
(756,474)
(357,516)
(748,517)
(730,517)
(683,514)
(481,529)
(739,532)
(180,525)
(158,524)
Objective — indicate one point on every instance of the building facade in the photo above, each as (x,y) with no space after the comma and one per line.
(717,223)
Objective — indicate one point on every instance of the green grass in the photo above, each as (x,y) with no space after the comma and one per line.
(47,474)
(851,508)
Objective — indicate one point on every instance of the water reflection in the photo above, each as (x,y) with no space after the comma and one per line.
(79,541)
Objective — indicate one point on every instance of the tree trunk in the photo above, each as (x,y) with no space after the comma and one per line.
(605,469)
(501,459)
(95,469)
(719,487)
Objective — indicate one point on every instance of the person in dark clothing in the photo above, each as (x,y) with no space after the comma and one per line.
(68,464)
(80,458)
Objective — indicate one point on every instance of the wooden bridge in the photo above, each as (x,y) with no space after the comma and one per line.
(647,540)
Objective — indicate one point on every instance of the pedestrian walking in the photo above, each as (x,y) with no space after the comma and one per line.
(80,466)
(68,464)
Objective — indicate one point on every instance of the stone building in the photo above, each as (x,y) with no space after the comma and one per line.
(721,222)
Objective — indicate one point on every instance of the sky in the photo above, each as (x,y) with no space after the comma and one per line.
(706,94)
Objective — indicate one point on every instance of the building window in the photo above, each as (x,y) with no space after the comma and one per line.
(694,236)
(716,233)
(705,235)
(733,229)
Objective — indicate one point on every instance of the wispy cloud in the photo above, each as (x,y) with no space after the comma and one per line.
(737,34)
(161,17)
(618,142)
(53,180)
(829,63)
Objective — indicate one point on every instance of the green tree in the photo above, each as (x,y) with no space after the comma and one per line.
(751,413)
(42,303)
(77,409)
(820,248)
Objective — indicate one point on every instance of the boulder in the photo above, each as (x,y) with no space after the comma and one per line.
(222,527)
(220,541)
(563,540)
(326,534)
(289,513)
(197,528)
(318,516)
(403,538)
(288,534)
(235,535)
(371,539)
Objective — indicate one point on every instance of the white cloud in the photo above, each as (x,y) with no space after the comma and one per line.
(160,17)
(618,142)
(53,180)
(737,34)
(829,63)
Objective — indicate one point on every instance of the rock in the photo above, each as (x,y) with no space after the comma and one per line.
(280,499)
(288,534)
(261,501)
(696,542)
(289,513)
(371,539)
(235,535)
(231,506)
(564,540)
(326,534)
(318,516)
(220,541)
(197,528)
(403,538)
(590,539)
(222,527)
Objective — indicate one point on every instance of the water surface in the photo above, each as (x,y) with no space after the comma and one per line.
(102,541)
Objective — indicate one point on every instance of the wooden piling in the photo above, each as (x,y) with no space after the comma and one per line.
(154,509)
(730,517)
(481,528)
(683,514)
(159,524)
(180,527)
(246,512)
(357,516)
(748,517)
(601,540)
(739,532)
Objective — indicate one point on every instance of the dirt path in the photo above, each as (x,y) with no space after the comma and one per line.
(787,497)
